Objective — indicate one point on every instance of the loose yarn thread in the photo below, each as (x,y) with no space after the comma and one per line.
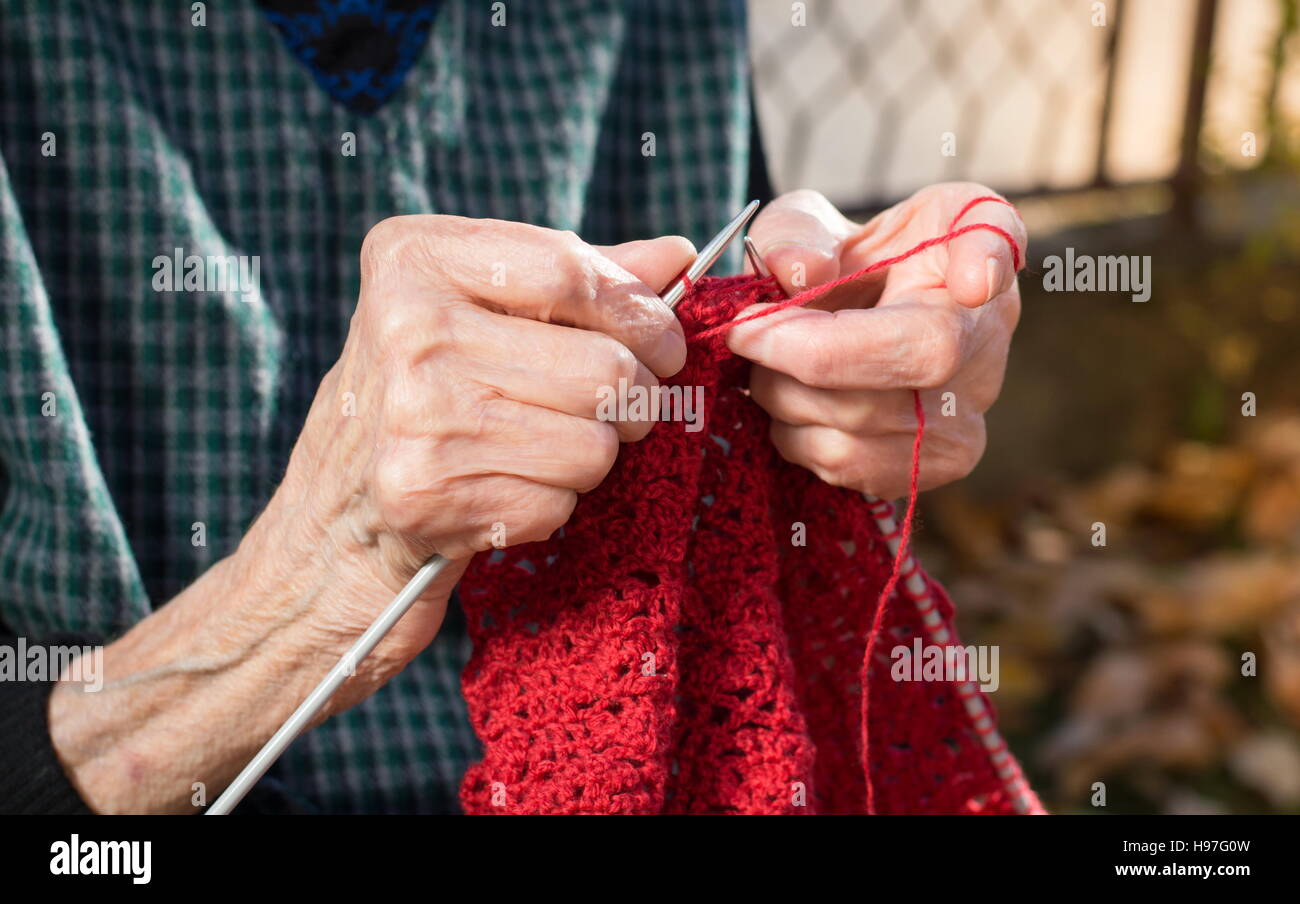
(808,295)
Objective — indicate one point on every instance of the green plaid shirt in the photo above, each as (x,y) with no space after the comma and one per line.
(130,415)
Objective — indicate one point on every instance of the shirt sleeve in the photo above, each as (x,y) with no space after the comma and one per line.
(32,780)
(53,459)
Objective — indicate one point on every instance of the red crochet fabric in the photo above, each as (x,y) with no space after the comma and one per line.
(671,650)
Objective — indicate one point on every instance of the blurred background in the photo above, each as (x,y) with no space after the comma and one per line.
(1162,128)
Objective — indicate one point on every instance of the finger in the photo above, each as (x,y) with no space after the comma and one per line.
(857,411)
(918,342)
(879,412)
(572,371)
(981,263)
(502,436)
(979,383)
(527,271)
(882,465)
(877,465)
(653,261)
(496,510)
(799,237)
(505,511)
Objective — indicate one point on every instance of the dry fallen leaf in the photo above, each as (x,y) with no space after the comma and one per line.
(1201,485)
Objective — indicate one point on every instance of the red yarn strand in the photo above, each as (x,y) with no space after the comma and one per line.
(984,199)
(895,574)
(815,292)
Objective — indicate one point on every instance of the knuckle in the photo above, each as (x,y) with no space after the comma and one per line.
(376,245)
(939,353)
(859,416)
(635,431)
(391,322)
(550,509)
(571,276)
(601,450)
(562,509)
(395,245)
(817,367)
(606,444)
(958,458)
(834,452)
(616,361)
(397,325)
(383,245)
(399,489)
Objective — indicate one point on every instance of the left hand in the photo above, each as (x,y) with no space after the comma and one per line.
(836,376)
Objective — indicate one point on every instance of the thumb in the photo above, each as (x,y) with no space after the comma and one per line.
(653,261)
(800,236)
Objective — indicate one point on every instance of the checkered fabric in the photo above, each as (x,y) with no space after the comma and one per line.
(128,415)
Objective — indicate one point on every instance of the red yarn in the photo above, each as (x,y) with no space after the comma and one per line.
(895,573)
(672,649)
(807,295)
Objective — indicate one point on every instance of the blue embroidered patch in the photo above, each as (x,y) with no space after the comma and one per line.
(359,51)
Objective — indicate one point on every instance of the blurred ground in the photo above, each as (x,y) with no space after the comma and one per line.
(1123,664)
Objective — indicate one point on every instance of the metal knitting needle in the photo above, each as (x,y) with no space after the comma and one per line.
(310,708)
(708,256)
(316,700)
(756,259)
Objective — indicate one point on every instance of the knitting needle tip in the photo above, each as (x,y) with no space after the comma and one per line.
(756,259)
(708,255)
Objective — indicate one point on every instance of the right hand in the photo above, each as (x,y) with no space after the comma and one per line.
(461,411)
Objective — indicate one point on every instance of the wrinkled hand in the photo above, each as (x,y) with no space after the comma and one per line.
(837,376)
(462,413)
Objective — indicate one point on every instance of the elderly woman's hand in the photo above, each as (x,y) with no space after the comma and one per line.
(462,414)
(837,376)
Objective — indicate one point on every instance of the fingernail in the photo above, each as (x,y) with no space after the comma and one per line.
(820,249)
(799,263)
(991,267)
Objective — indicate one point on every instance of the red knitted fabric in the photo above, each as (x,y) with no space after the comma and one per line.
(672,650)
